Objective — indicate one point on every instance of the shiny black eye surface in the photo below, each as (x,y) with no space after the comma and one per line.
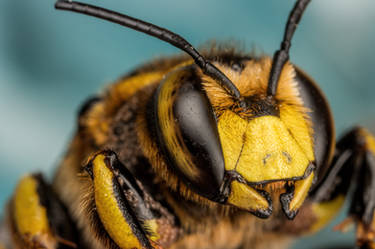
(322,122)
(187,132)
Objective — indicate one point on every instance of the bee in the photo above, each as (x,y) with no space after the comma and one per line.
(212,149)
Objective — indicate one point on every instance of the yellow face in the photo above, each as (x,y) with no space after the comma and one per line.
(265,152)
(262,149)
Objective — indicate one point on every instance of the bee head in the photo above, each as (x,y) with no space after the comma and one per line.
(234,153)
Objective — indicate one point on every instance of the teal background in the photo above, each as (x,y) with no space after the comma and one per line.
(51,61)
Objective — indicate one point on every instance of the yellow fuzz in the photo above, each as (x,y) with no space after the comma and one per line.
(107,207)
(245,197)
(301,190)
(152,226)
(98,119)
(30,217)
(253,81)
(128,87)
(326,211)
(370,140)
(261,149)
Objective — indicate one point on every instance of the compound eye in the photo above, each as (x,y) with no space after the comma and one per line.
(187,132)
(322,123)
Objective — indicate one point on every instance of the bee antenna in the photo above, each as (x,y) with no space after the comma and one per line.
(163,34)
(281,56)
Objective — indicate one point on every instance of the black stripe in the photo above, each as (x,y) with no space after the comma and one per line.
(129,215)
(59,220)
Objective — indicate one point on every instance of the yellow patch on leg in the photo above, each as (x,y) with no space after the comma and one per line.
(108,207)
(152,226)
(325,212)
(29,215)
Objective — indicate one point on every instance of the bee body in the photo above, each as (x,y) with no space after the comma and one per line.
(121,119)
(221,150)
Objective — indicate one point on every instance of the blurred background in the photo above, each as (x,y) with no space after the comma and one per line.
(51,61)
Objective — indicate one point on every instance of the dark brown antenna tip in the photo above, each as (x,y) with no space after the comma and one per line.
(163,34)
(281,56)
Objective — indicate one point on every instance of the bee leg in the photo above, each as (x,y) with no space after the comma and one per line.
(124,210)
(37,219)
(353,165)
